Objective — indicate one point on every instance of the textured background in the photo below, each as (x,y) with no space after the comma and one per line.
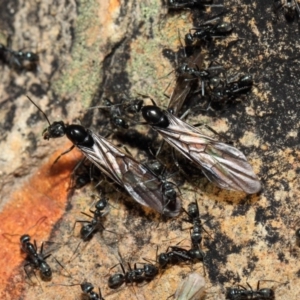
(89,47)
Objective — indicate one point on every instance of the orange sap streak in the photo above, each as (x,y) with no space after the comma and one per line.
(44,195)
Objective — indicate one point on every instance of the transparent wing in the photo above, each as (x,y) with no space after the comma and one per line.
(222,164)
(180,93)
(184,85)
(191,288)
(142,185)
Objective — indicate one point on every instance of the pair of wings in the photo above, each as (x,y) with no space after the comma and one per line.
(222,164)
(142,185)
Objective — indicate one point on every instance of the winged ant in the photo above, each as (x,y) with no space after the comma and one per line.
(222,164)
(143,186)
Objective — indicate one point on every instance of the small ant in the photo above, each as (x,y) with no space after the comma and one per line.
(135,275)
(206,32)
(241,293)
(232,90)
(178,255)
(194,218)
(34,259)
(87,231)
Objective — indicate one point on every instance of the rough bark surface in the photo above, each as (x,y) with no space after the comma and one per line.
(89,48)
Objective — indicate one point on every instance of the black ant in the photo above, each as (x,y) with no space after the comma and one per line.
(135,275)
(137,180)
(232,90)
(115,111)
(194,218)
(206,32)
(188,4)
(190,73)
(19,60)
(34,259)
(178,255)
(241,293)
(87,231)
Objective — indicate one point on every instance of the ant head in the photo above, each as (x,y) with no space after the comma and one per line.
(163,260)
(156,167)
(101,204)
(86,287)
(55,130)
(193,210)
(25,238)
(184,68)
(169,192)
(267,293)
(119,122)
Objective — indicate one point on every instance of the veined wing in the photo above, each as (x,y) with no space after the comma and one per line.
(222,164)
(180,93)
(183,86)
(191,288)
(142,185)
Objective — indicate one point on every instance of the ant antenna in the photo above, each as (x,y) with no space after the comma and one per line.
(39,109)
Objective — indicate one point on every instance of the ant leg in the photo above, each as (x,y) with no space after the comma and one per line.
(27,272)
(62,266)
(80,221)
(65,152)
(212,130)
